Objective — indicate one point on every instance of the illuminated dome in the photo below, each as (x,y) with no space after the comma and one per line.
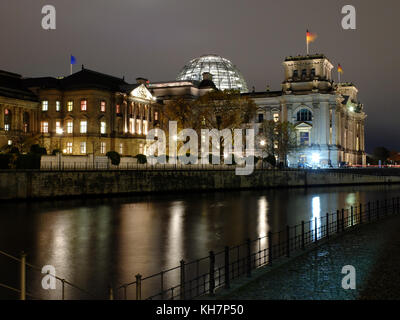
(224,73)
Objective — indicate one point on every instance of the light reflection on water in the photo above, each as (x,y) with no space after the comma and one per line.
(97,242)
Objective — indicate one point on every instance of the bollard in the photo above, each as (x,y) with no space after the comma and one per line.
(23,276)
(269,247)
(212,273)
(288,241)
(138,287)
(227,278)
(302,235)
(248,244)
(182,292)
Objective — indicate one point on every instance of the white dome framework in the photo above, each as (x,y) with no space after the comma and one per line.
(225,74)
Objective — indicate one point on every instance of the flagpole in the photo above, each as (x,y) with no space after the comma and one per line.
(71,67)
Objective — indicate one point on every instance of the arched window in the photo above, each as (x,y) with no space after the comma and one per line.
(26,122)
(304,115)
(7,120)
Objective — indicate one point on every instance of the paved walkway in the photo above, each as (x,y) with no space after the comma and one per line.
(374,251)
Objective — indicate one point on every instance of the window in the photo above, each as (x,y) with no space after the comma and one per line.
(103,106)
(83,105)
(260,117)
(6,127)
(117,109)
(103,147)
(303,73)
(304,115)
(9,142)
(45,105)
(295,73)
(83,126)
(44,127)
(59,130)
(121,148)
(312,72)
(58,106)
(304,138)
(69,147)
(70,106)
(7,120)
(102,127)
(156,116)
(276,117)
(83,147)
(70,126)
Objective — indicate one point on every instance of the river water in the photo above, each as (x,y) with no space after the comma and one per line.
(96,242)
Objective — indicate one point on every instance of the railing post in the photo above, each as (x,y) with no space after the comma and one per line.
(182,292)
(269,247)
(248,245)
(377,209)
(23,276)
(110,293)
(361,213)
(287,241)
(212,273)
(369,211)
(337,221)
(316,229)
(227,273)
(342,219)
(327,225)
(162,285)
(302,235)
(352,213)
(138,287)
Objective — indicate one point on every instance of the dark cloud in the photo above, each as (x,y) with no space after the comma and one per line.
(155,38)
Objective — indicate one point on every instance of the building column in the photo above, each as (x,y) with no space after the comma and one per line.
(334,138)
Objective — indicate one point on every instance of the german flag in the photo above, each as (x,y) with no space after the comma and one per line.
(339,68)
(311,36)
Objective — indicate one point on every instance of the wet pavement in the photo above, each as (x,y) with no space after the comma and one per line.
(373,249)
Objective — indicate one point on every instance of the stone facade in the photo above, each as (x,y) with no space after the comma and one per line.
(328,118)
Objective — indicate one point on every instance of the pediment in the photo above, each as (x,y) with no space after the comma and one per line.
(303,125)
(141,92)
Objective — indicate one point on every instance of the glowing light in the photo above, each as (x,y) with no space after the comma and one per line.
(262,143)
(351,109)
(175,138)
(59,131)
(315,157)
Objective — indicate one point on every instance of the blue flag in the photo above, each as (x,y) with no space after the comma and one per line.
(73,59)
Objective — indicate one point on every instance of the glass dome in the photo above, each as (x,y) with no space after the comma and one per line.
(225,74)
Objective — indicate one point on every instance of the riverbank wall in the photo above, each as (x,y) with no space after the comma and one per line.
(32,184)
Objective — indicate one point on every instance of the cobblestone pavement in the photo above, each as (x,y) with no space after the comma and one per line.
(374,251)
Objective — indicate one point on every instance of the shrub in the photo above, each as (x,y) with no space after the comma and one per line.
(114,157)
(271,160)
(55,151)
(14,150)
(36,149)
(28,161)
(5,161)
(142,159)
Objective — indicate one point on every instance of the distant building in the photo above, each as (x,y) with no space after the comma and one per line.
(328,117)
(86,112)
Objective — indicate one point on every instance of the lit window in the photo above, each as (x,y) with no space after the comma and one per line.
(45,105)
(156,116)
(276,117)
(58,127)
(103,127)
(83,105)
(7,127)
(121,148)
(58,106)
(103,106)
(6,111)
(44,127)
(69,147)
(83,147)
(117,109)
(70,126)
(102,147)
(9,142)
(70,106)
(304,138)
(83,126)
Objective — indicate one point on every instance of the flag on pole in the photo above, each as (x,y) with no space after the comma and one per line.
(339,68)
(73,61)
(310,37)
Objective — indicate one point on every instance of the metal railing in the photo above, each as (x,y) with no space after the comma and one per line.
(24,267)
(203,276)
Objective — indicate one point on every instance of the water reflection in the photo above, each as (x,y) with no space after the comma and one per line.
(316,216)
(101,241)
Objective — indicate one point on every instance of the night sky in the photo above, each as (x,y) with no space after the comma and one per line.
(155,39)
